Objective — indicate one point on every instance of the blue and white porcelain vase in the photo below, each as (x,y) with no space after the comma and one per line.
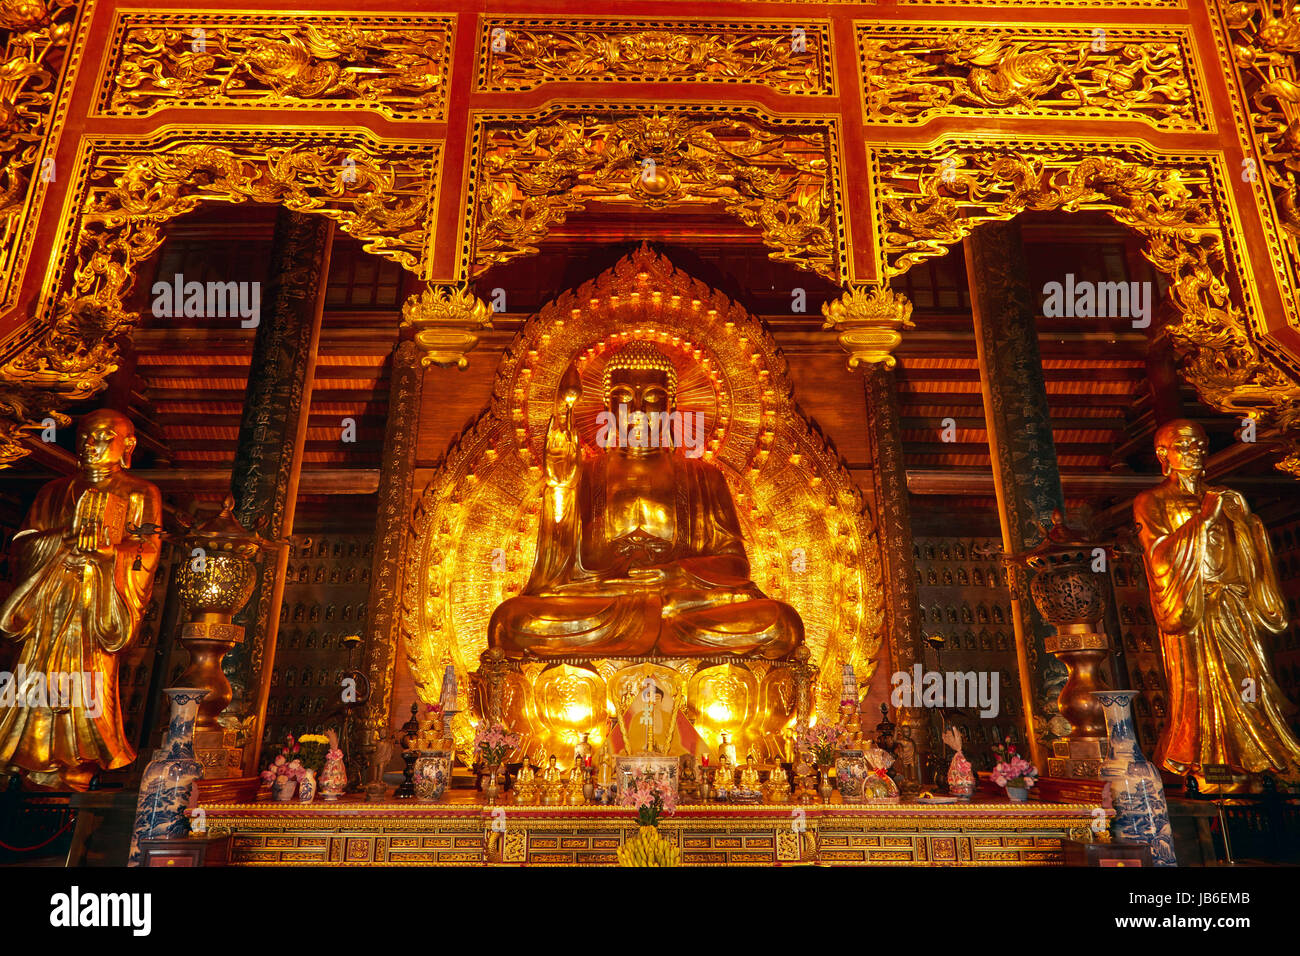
(169,779)
(1141,813)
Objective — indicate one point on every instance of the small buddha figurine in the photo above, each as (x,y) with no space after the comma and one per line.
(724,778)
(573,789)
(688,787)
(777,789)
(749,779)
(525,785)
(552,784)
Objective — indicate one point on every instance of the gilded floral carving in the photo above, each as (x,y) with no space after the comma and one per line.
(519,54)
(395,65)
(533,171)
(31,60)
(381,195)
(911,74)
(931,199)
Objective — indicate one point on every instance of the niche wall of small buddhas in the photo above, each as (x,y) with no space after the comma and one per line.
(809,535)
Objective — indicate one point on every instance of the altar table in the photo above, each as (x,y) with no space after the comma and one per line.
(458,831)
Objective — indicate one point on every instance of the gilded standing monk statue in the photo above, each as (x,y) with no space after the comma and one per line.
(86,558)
(639,552)
(1215,594)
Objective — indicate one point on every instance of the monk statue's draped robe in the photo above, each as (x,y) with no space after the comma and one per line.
(72,613)
(1215,595)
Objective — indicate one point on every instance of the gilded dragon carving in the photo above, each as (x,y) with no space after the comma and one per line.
(933,199)
(1265,41)
(379,194)
(533,172)
(395,65)
(913,73)
(523,54)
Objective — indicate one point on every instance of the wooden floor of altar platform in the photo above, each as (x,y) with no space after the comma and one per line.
(462,830)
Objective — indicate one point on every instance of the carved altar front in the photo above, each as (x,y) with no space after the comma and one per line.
(398,834)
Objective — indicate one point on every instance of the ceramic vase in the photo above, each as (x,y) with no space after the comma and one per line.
(168,780)
(850,772)
(333,779)
(432,774)
(1141,813)
(283,789)
(1017,794)
(307,786)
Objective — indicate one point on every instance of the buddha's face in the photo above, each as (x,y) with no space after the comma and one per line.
(640,389)
(1182,450)
(104,440)
(641,397)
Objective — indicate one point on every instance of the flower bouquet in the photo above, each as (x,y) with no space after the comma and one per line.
(285,772)
(823,741)
(1013,771)
(652,796)
(493,742)
(313,749)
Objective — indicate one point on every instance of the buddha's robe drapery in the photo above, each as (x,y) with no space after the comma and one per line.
(1215,593)
(72,614)
(675,584)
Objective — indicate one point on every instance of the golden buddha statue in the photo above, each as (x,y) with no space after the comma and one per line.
(573,786)
(87,555)
(749,779)
(552,784)
(525,782)
(724,778)
(639,551)
(1214,592)
(777,789)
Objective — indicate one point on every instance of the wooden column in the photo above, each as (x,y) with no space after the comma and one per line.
(1026,477)
(1162,371)
(392,520)
(894,525)
(272,433)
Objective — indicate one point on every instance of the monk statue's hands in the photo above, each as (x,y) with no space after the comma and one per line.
(1211,506)
(1234,506)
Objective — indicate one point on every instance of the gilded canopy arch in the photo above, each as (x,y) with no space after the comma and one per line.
(779,176)
(126,190)
(932,198)
(809,533)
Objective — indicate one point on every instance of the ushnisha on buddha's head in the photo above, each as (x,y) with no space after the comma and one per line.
(1181,446)
(105,441)
(641,416)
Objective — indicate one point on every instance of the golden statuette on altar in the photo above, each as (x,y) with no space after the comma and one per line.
(552,784)
(87,553)
(1215,595)
(525,787)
